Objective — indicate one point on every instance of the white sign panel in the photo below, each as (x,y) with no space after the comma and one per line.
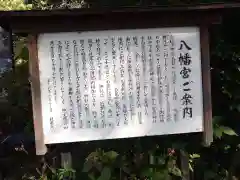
(120,84)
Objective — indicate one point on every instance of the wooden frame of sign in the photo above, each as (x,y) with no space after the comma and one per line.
(108,23)
(127,18)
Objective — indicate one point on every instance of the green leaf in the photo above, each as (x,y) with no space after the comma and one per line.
(227,147)
(106,174)
(194,156)
(218,132)
(190,167)
(111,155)
(93,155)
(228,131)
(60,177)
(176,171)
(87,166)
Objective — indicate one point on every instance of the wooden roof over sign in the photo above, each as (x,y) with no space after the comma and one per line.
(37,21)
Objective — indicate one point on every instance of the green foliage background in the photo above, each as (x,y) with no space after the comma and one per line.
(13,4)
(155,158)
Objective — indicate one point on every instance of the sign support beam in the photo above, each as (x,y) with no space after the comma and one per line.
(41,148)
(206,79)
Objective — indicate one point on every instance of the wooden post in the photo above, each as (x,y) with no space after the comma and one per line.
(36,95)
(207,104)
(206,79)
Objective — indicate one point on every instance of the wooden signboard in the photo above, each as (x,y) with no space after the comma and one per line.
(136,74)
(119,84)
